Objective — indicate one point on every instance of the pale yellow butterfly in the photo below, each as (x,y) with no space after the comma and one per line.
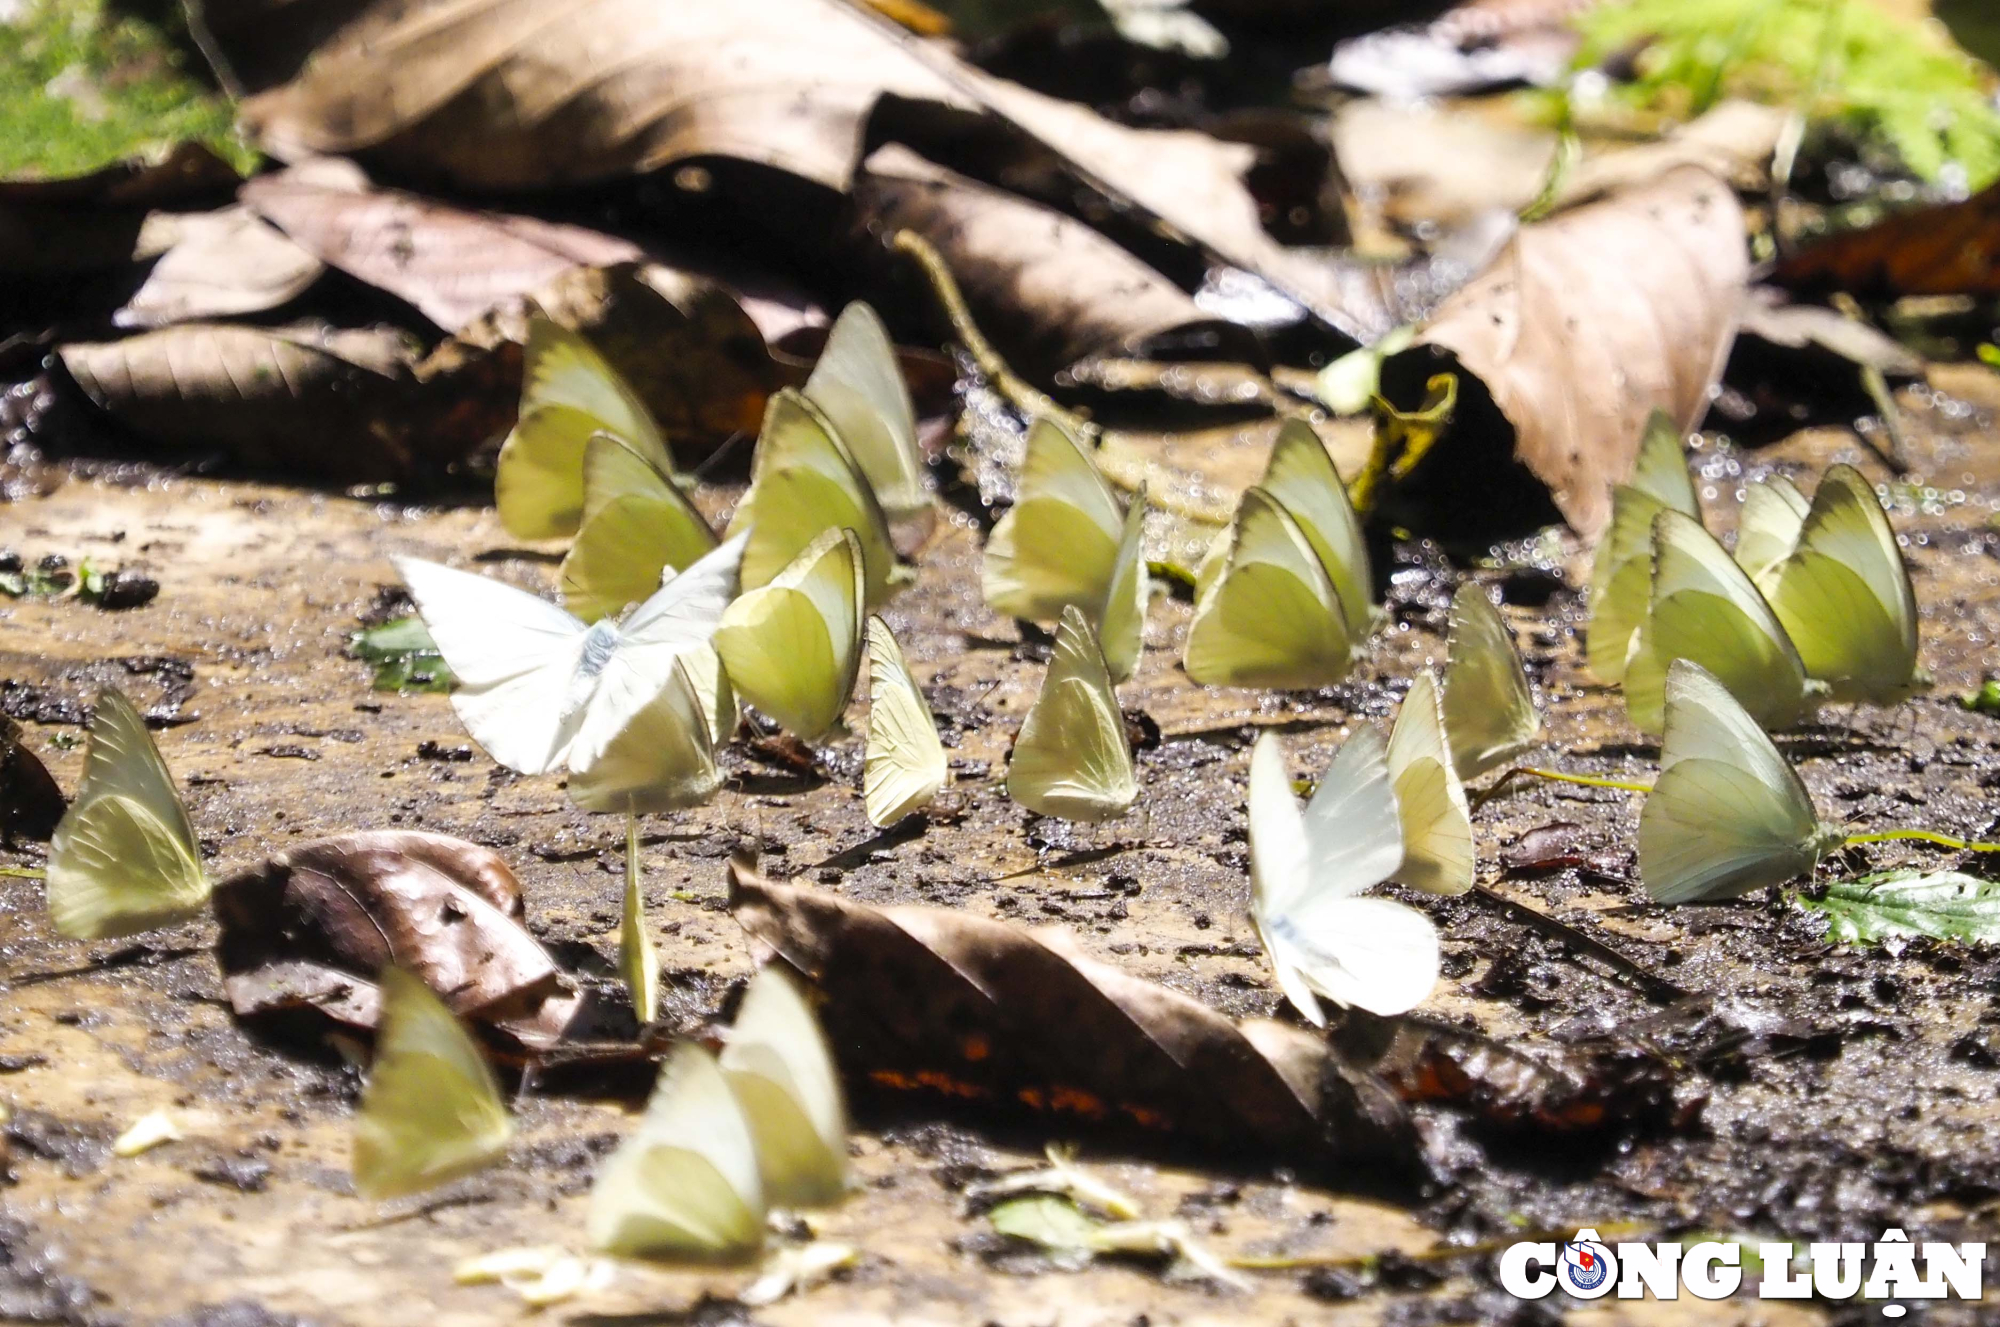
(792,647)
(568,394)
(803,483)
(1270,617)
(638,960)
(431,1111)
(904,767)
(1768,527)
(1307,872)
(1728,813)
(860,387)
(1489,712)
(1072,758)
(684,1185)
(1436,819)
(781,1070)
(637,525)
(1844,596)
(1621,571)
(124,857)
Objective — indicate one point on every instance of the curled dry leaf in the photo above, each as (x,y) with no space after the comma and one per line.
(1040,281)
(1011,1021)
(215,265)
(307,930)
(450,263)
(1946,249)
(1582,327)
(335,405)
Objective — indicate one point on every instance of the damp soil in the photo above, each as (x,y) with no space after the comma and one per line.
(1816,1091)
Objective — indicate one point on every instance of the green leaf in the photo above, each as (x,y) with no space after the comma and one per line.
(1986,700)
(1948,905)
(404,655)
(1043,1219)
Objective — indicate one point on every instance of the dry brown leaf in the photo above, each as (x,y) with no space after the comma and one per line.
(1051,288)
(1734,141)
(1582,327)
(215,265)
(1949,249)
(307,930)
(336,405)
(938,1001)
(1798,326)
(452,265)
(31,804)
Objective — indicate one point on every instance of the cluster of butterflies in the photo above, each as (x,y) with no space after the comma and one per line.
(1815,604)
(724,1138)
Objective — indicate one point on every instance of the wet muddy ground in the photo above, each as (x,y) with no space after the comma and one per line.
(1804,1090)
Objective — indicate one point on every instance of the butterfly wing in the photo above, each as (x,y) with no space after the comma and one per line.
(660,758)
(1058,544)
(1365,953)
(1279,858)
(1769,526)
(683,1185)
(1122,619)
(1072,758)
(1711,830)
(1301,478)
(515,657)
(905,763)
(793,647)
(638,960)
(1844,595)
(431,1111)
(1489,712)
(568,393)
(636,526)
(123,760)
(1436,820)
(860,388)
(1271,618)
(803,483)
(114,869)
(781,1070)
(1621,582)
(1353,833)
(1661,470)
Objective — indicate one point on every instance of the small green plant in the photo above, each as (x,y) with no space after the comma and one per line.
(404,655)
(1888,80)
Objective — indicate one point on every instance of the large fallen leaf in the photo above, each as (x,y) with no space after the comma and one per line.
(1050,288)
(1582,327)
(451,264)
(518,94)
(1947,905)
(1006,1020)
(307,930)
(1949,249)
(215,265)
(335,405)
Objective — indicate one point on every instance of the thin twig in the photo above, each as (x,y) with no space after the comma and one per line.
(1654,985)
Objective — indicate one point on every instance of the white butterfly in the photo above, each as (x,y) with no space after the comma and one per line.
(1307,872)
(539,690)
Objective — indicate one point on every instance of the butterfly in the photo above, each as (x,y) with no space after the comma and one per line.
(1300,477)
(1072,758)
(124,858)
(792,647)
(1728,814)
(782,1072)
(1271,616)
(860,388)
(1705,609)
(638,960)
(803,483)
(539,690)
(904,767)
(1844,596)
(1621,572)
(1489,712)
(568,394)
(1067,542)
(637,525)
(1768,527)
(1308,870)
(431,1111)
(1436,820)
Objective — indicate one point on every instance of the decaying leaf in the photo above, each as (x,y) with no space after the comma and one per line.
(30,801)
(90,222)
(1947,905)
(307,929)
(1946,249)
(1582,327)
(451,264)
(1045,284)
(332,404)
(215,265)
(1010,1021)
